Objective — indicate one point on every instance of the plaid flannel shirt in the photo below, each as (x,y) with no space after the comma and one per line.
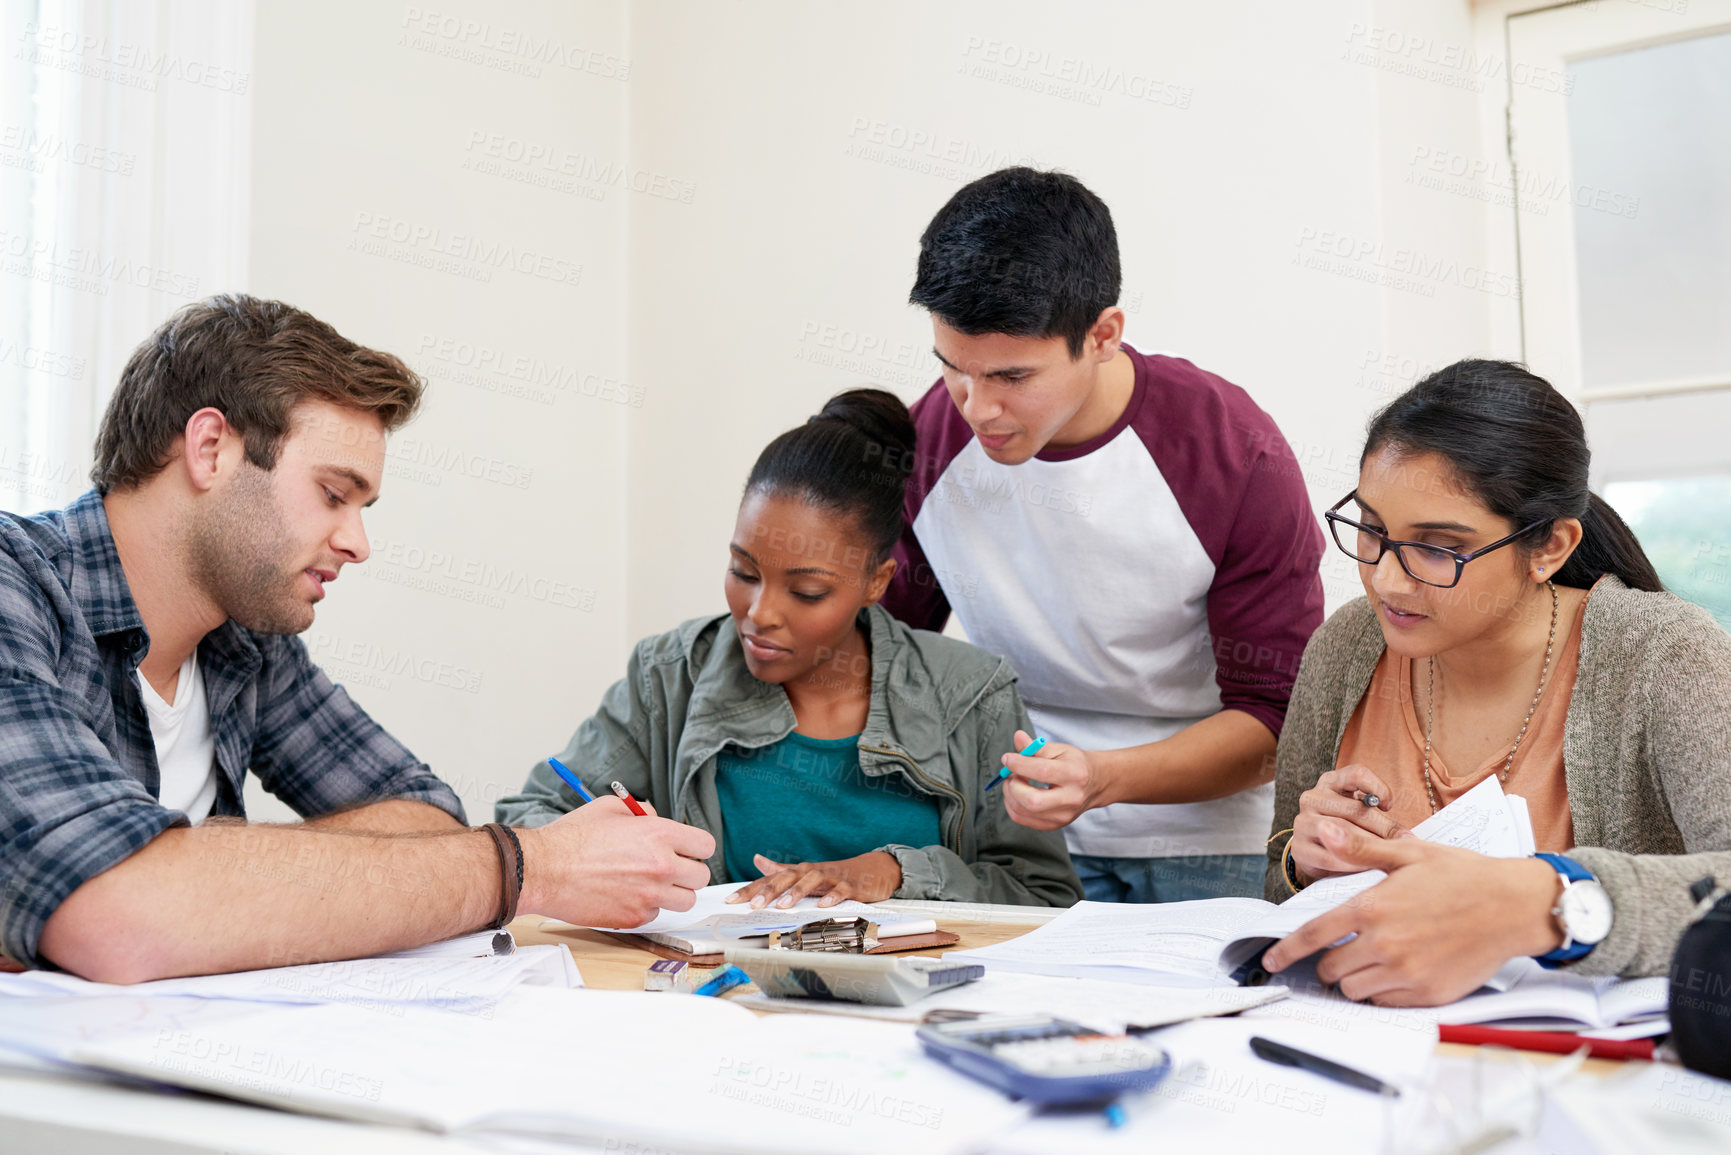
(78,773)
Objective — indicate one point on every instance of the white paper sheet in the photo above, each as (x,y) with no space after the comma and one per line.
(713,923)
(711,901)
(461,983)
(1222,1098)
(1171,938)
(639,1071)
(38,1033)
(481,944)
(1651,1108)
(1106,1006)
(1481,820)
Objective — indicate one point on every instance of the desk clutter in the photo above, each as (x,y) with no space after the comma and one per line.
(700,936)
(1110,1027)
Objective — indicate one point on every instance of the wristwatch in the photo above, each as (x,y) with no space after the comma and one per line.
(1583,910)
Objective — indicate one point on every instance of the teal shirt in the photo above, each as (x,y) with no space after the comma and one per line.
(805,800)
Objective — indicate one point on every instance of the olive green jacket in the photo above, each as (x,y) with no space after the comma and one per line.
(942,712)
(1646,756)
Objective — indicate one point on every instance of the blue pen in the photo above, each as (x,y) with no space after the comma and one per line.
(571,779)
(1028,751)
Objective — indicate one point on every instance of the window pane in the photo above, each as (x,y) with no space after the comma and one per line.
(1650,144)
(1685,526)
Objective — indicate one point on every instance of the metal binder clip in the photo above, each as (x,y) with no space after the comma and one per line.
(851,934)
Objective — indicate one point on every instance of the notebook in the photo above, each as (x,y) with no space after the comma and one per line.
(1552,1001)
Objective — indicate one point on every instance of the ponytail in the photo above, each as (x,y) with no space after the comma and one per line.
(853,459)
(1521,448)
(1608,545)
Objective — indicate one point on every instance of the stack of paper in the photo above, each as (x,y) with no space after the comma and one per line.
(714,924)
(464,984)
(1108,1007)
(624,1069)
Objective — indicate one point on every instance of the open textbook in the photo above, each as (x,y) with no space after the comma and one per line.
(714,924)
(1206,941)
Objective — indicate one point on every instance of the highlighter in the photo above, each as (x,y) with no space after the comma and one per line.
(1028,751)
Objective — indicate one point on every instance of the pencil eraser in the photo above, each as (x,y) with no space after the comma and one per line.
(669,975)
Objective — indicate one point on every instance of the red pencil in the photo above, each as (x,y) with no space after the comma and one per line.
(630,802)
(1552,1041)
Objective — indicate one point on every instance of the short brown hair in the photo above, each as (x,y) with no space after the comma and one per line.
(253,359)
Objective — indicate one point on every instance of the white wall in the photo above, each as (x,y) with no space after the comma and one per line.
(746,205)
(822,138)
(490,617)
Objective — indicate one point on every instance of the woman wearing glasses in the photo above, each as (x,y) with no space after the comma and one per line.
(1511,626)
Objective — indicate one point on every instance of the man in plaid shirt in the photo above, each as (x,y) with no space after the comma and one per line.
(148,662)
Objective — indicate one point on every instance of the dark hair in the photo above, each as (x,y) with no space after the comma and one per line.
(852,459)
(1519,445)
(253,359)
(1020,252)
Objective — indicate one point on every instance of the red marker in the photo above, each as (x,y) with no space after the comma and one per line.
(630,802)
(1555,1042)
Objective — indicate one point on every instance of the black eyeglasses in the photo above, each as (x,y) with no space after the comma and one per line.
(1433,565)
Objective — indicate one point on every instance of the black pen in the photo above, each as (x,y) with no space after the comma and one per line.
(1329,1069)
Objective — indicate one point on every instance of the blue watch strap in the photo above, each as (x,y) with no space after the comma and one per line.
(1567,867)
(1574,872)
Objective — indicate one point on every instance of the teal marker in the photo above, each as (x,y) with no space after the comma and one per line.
(1028,751)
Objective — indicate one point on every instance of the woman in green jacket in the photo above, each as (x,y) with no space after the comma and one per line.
(831,750)
(1512,626)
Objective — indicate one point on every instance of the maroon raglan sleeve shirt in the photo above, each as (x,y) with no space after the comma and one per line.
(1140,582)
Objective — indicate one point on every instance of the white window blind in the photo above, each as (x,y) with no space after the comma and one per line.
(124,179)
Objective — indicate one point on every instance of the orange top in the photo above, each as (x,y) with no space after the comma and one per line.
(1386,734)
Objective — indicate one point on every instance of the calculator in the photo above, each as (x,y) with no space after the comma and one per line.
(1045,1060)
(883,980)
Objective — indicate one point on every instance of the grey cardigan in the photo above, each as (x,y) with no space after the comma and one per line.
(1646,756)
(941,713)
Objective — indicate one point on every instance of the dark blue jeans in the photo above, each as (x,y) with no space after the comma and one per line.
(1170,879)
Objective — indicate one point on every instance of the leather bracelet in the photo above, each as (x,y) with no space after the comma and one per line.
(510,852)
(517,890)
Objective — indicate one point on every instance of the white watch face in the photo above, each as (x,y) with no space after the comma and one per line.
(1585,911)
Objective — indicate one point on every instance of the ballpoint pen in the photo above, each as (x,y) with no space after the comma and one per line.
(1329,1069)
(571,779)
